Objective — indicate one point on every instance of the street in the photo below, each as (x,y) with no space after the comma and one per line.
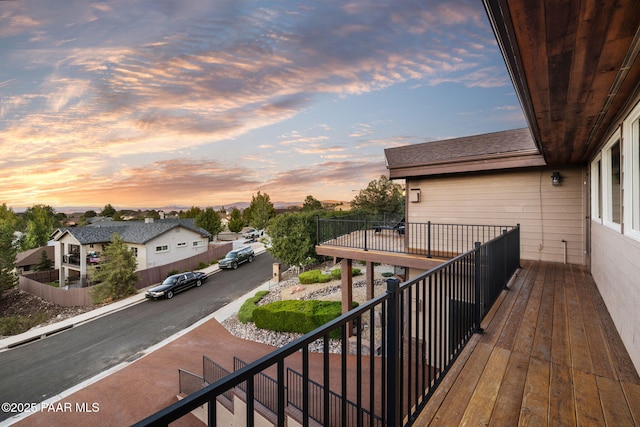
(37,371)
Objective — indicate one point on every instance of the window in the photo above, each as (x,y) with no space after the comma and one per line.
(135,252)
(596,190)
(610,184)
(197,243)
(631,155)
(182,244)
(162,248)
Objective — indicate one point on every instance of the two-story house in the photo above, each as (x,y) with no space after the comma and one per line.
(154,243)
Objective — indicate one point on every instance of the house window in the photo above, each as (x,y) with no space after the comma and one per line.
(631,155)
(596,190)
(135,252)
(182,244)
(197,243)
(162,248)
(611,188)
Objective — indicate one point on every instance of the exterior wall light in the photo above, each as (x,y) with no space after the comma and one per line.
(555,178)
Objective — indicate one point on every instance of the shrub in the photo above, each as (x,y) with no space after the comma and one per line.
(336,273)
(202,265)
(172,272)
(18,324)
(245,314)
(297,316)
(313,276)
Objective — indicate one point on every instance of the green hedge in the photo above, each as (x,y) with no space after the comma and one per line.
(336,273)
(313,276)
(297,316)
(245,314)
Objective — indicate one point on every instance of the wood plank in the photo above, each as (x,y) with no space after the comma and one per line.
(544,327)
(451,411)
(618,354)
(507,408)
(485,394)
(588,408)
(535,399)
(560,352)
(562,410)
(521,294)
(526,332)
(433,405)
(580,355)
(598,347)
(614,405)
(632,393)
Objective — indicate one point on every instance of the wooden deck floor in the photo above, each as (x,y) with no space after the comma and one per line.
(550,355)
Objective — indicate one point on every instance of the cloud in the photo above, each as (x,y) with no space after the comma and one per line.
(94,85)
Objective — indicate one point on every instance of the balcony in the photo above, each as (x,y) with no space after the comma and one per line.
(392,240)
(403,345)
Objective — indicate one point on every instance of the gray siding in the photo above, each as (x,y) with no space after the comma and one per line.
(615,268)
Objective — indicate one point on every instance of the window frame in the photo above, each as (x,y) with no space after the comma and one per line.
(596,189)
(631,175)
(607,188)
(161,249)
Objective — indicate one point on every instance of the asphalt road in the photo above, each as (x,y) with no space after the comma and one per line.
(37,371)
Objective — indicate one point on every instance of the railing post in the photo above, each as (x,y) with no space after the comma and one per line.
(428,239)
(394,323)
(478,290)
(505,258)
(365,234)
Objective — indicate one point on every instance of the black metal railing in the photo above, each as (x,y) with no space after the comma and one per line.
(317,395)
(421,326)
(188,382)
(391,235)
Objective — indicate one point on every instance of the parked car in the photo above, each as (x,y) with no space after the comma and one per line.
(252,233)
(236,257)
(176,283)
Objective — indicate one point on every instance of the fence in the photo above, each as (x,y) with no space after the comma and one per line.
(421,326)
(82,297)
(389,235)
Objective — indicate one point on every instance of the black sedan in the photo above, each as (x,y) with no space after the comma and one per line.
(176,283)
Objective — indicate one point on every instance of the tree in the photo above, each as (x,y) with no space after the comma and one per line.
(108,211)
(236,222)
(260,211)
(191,213)
(381,196)
(209,219)
(293,238)
(8,251)
(44,262)
(41,222)
(311,204)
(116,275)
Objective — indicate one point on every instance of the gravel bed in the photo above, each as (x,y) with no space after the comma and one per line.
(249,331)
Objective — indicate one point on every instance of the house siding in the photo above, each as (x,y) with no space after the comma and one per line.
(616,271)
(547,214)
(172,238)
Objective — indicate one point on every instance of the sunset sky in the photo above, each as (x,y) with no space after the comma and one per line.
(156,103)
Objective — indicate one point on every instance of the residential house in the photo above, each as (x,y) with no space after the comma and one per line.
(27,261)
(154,243)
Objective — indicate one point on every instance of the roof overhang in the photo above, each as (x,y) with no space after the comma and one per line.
(574,67)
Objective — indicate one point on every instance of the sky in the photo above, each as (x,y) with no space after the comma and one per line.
(156,103)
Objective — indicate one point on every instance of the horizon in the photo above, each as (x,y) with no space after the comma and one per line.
(205,103)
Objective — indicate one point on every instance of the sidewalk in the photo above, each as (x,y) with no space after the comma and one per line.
(131,391)
(39,332)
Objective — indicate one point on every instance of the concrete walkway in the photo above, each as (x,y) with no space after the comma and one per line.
(131,391)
